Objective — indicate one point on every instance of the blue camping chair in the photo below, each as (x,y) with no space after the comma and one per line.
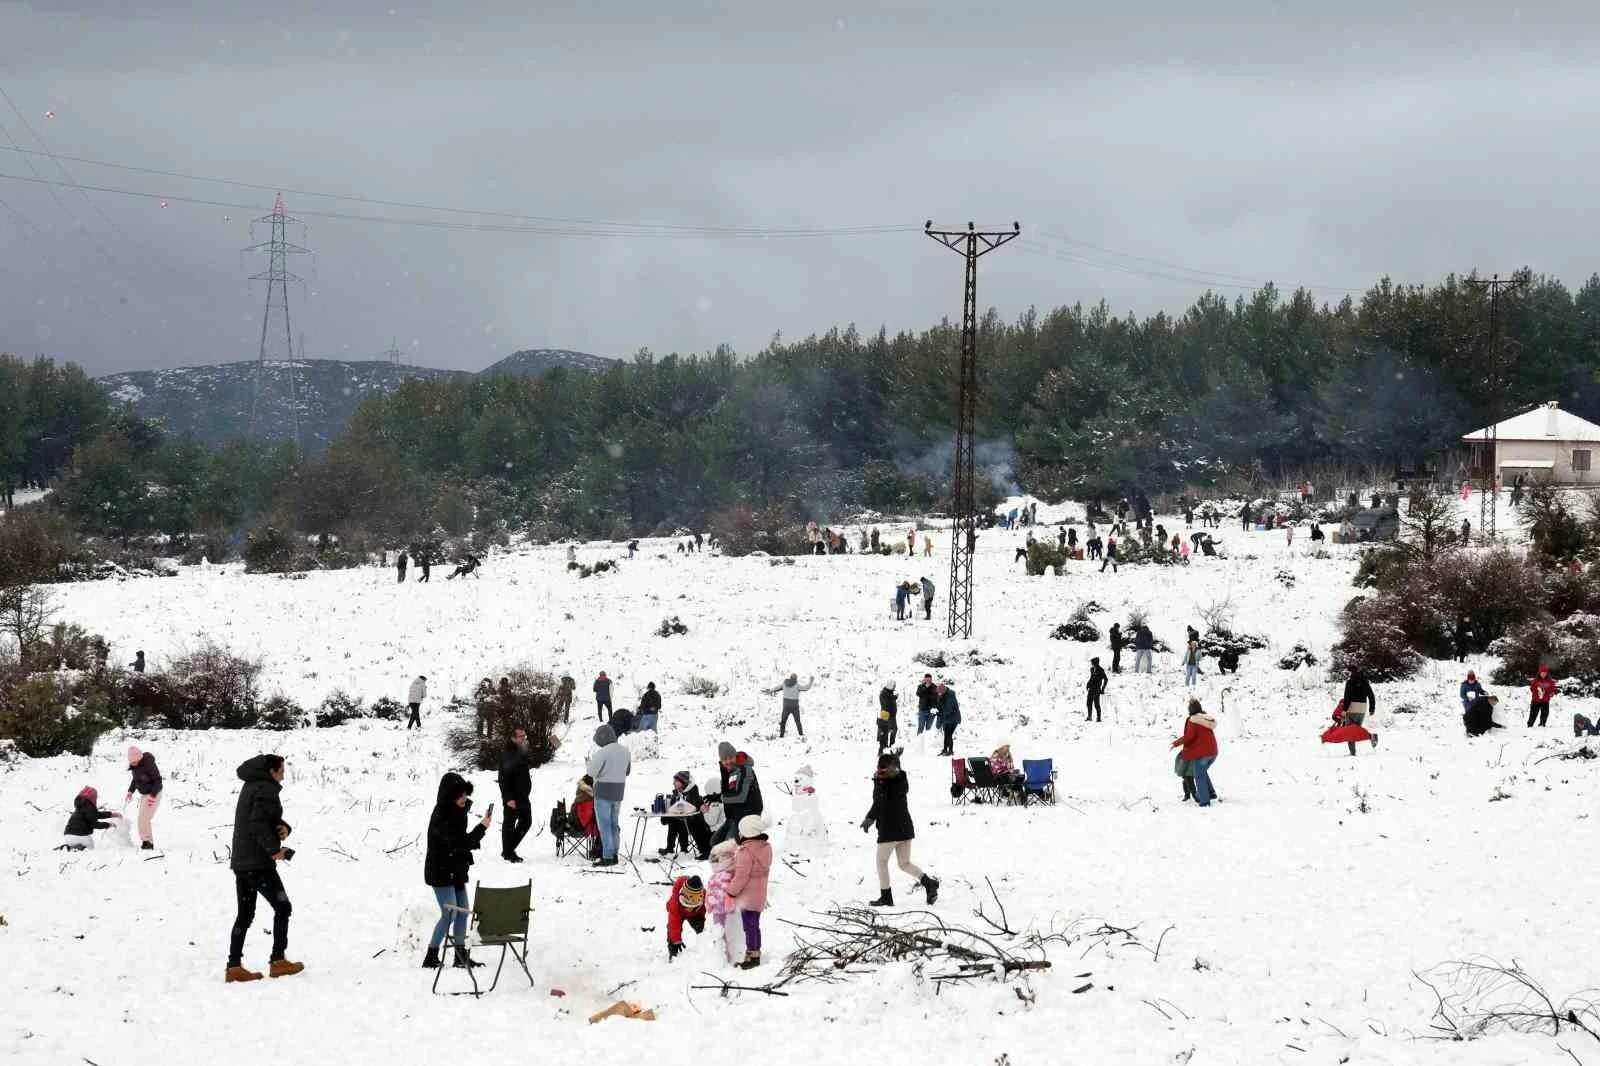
(1039,780)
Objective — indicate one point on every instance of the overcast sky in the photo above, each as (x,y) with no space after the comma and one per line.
(1149,149)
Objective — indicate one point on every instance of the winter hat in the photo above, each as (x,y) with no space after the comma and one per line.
(1544,668)
(722,854)
(890,686)
(134,754)
(681,779)
(585,788)
(726,750)
(1471,676)
(692,896)
(751,825)
(87,792)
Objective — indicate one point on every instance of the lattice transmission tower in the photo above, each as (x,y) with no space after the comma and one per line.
(277,277)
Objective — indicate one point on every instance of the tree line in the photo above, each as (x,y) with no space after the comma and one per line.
(1076,402)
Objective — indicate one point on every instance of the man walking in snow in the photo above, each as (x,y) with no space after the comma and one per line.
(888,722)
(602,696)
(1144,644)
(414,698)
(1097,686)
(400,567)
(927,598)
(949,716)
(516,791)
(791,689)
(258,835)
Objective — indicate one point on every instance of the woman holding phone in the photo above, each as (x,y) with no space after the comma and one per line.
(445,865)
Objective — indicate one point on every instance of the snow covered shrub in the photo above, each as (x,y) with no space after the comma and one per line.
(388,709)
(36,717)
(701,686)
(740,531)
(1570,647)
(337,708)
(71,645)
(1284,577)
(671,627)
(1079,629)
(36,544)
(1299,656)
(214,689)
(1555,534)
(212,546)
(1042,556)
(280,712)
(269,550)
(933,660)
(1373,641)
(1380,567)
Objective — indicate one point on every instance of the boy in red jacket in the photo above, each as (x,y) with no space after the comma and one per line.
(686,903)
(1542,689)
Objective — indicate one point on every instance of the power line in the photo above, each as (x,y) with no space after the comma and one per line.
(520,219)
(1160,268)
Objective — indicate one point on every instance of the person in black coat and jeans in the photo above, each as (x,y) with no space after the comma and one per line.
(258,835)
(888,717)
(446,862)
(516,792)
(891,813)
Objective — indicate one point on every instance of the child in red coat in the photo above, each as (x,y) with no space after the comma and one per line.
(1542,689)
(686,903)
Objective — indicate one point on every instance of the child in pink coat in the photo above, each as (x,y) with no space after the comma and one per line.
(747,889)
(718,903)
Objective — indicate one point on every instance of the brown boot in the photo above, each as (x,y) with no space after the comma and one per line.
(239,973)
(752,959)
(284,968)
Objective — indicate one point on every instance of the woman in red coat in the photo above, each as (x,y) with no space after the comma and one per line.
(1541,688)
(1199,744)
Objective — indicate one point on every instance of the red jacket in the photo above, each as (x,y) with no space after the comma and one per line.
(1198,740)
(1542,688)
(584,809)
(677,913)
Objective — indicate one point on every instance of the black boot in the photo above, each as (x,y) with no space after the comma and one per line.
(932,886)
(465,961)
(885,899)
(430,961)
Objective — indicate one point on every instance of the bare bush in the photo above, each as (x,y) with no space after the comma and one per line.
(1482,996)
(697,685)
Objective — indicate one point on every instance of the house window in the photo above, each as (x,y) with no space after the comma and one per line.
(1580,460)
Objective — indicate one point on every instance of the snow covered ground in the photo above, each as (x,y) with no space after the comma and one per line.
(1290,917)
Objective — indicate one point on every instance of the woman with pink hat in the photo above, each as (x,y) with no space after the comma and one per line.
(147,783)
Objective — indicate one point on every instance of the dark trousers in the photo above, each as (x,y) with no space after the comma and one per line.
(248,884)
(681,830)
(1540,710)
(519,820)
(888,729)
(1116,659)
(416,716)
(1093,703)
(791,709)
(927,606)
(1111,561)
(949,740)
(602,708)
(564,706)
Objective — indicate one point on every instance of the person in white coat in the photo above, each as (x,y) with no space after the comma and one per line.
(414,698)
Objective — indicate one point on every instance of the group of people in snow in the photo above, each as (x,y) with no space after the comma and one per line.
(905,590)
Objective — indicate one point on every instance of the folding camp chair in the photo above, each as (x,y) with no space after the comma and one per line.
(958,781)
(500,916)
(1039,780)
(568,833)
(985,786)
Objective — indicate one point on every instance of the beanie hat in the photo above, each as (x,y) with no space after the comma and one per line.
(726,750)
(890,686)
(87,792)
(681,779)
(692,896)
(751,825)
(134,754)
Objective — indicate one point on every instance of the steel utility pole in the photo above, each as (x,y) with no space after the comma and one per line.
(277,277)
(973,244)
(1491,474)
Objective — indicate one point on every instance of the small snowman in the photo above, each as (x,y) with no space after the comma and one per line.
(805,831)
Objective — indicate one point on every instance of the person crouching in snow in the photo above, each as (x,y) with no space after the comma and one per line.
(686,903)
(891,813)
(747,888)
(719,905)
(146,782)
(86,818)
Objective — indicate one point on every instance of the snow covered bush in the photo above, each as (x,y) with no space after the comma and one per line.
(36,544)
(36,716)
(1570,647)
(214,688)
(337,708)
(1373,641)
(1555,534)
(528,702)
(1079,629)
(705,687)
(1299,656)
(269,550)
(671,627)
(1042,557)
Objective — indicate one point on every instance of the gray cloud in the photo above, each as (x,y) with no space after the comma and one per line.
(1251,141)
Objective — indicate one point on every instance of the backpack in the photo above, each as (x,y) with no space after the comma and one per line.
(560,819)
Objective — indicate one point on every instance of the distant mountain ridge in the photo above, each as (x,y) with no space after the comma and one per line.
(213,403)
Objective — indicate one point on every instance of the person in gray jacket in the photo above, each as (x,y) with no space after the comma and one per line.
(609,764)
(414,697)
(791,689)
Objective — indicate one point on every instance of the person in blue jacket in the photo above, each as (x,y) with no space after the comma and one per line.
(948,716)
(1470,690)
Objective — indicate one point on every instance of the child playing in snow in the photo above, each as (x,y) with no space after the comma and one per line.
(86,818)
(685,903)
(718,903)
(747,888)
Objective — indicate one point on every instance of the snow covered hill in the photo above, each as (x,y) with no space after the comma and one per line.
(1284,925)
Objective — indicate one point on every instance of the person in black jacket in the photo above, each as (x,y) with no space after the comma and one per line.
(888,721)
(649,704)
(927,699)
(891,813)
(258,835)
(681,827)
(1097,686)
(602,696)
(85,819)
(741,791)
(1116,647)
(516,792)
(446,862)
(1359,699)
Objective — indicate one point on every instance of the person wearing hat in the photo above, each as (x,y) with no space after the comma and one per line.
(1097,686)
(146,782)
(741,791)
(747,888)
(685,903)
(1542,689)
(85,819)
(888,722)
(1479,718)
(791,689)
(948,716)
(891,813)
(1470,690)
(682,826)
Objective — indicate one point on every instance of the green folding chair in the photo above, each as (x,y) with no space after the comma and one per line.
(500,918)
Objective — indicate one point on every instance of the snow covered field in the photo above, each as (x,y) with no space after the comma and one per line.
(1296,917)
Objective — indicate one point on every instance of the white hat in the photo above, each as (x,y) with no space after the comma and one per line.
(751,825)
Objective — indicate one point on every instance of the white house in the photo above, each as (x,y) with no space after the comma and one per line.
(1544,444)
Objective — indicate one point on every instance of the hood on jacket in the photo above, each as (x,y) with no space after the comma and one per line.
(258,768)
(452,786)
(604,735)
(1202,718)
(86,796)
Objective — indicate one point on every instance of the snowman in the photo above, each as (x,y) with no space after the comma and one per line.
(805,831)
